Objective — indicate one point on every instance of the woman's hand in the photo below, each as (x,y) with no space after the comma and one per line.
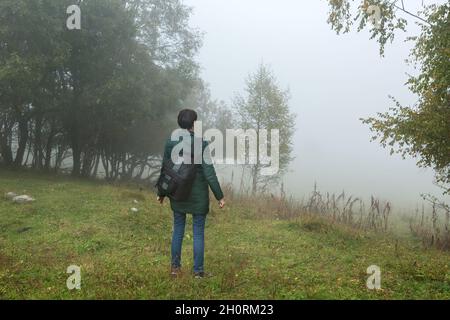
(222,203)
(160,199)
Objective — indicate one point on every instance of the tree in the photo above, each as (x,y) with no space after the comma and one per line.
(29,51)
(421,130)
(96,95)
(266,106)
(213,113)
(342,15)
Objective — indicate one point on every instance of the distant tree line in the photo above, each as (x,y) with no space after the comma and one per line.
(96,97)
(101,100)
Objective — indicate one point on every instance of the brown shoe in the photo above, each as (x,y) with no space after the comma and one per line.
(199,275)
(175,272)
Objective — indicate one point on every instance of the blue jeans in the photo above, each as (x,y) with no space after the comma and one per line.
(179,223)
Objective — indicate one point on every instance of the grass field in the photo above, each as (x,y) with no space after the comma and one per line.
(126,255)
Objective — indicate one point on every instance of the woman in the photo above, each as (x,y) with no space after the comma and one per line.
(197,204)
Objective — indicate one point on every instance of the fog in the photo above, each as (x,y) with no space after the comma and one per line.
(333,80)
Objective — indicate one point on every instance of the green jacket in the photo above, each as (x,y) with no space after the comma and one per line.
(198,202)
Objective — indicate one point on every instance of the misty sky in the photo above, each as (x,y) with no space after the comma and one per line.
(333,80)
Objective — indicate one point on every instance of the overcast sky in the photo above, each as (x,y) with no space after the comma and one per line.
(333,80)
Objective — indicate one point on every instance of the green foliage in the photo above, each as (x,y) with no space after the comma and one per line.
(344,13)
(422,130)
(97,94)
(213,113)
(266,106)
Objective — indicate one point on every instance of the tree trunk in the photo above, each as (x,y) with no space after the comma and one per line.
(37,156)
(87,164)
(97,162)
(48,149)
(254,181)
(5,148)
(76,158)
(23,139)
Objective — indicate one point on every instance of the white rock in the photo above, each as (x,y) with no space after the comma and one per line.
(10,195)
(134,210)
(22,199)
(135,201)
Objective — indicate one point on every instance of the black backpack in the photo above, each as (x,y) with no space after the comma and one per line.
(176,180)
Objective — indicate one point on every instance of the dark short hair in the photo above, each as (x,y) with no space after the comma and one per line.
(186,118)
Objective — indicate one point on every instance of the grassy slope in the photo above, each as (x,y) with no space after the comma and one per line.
(126,255)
